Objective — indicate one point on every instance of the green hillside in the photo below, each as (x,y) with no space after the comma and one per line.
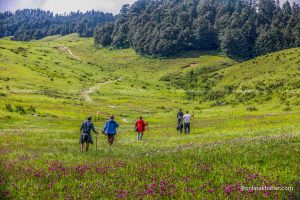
(49,86)
(273,78)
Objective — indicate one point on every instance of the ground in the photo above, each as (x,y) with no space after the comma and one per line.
(48,87)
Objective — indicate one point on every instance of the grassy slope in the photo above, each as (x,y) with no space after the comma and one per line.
(277,73)
(227,145)
(273,79)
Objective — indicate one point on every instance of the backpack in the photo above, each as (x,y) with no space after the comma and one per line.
(140,126)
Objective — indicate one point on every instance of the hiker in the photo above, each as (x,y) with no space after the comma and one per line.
(187,122)
(179,120)
(86,137)
(140,126)
(110,129)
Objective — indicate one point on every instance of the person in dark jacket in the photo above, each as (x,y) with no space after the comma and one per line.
(86,137)
(110,129)
(140,126)
(179,120)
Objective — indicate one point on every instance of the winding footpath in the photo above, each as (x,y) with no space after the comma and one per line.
(64,48)
(86,93)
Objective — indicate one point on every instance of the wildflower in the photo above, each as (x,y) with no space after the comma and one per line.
(266,194)
(65,188)
(163,187)
(252,176)
(228,189)
(151,189)
(50,185)
(251,191)
(5,194)
(276,196)
(122,194)
(2,181)
(38,173)
(210,190)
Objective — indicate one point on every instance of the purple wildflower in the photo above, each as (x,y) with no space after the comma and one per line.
(228,189)
(211,190)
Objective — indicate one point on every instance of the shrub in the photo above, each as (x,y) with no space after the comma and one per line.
(197,108)
(9,108)
(161,107)
(215,95)
(32,109)
(218,103)
(287,108)
(2,94)
(251,108)
(20,110)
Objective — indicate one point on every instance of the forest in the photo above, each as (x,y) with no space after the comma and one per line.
(28,24)
(239,28)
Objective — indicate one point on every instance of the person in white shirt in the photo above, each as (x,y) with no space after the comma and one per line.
(187,122)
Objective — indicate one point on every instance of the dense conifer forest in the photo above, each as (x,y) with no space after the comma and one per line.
(240,28)
(31,24)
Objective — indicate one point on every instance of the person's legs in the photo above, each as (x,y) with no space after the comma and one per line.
(86,147)
(85,140)
(181,127)
(81,146)
(111,139)
(138,136)
(141,135)
(185,128)
(189,128)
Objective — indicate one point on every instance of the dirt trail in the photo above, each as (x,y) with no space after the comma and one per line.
(86,93)
(194,64)
(64,48)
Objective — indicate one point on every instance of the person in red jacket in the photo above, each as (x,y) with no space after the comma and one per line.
(140,126)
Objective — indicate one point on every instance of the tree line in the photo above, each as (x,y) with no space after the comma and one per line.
(30,24)
(239,28)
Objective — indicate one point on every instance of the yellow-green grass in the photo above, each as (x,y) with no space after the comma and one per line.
(228,145)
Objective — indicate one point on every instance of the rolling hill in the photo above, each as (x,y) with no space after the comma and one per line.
(272,78)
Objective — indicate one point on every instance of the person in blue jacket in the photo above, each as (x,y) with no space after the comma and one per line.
(110,129)
(86,137)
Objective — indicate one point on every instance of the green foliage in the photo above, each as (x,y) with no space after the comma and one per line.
(32,109)
(259,80)
(20,110)
(239,28)
(234,43)
(287,108)
(9,108)
(104,34)
(28,24)
(251,108)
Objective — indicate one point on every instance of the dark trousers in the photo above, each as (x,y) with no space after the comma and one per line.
(179,125)
(179,121)
(111,139)
(187,128)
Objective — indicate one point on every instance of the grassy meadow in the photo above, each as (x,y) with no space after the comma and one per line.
(49,86)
